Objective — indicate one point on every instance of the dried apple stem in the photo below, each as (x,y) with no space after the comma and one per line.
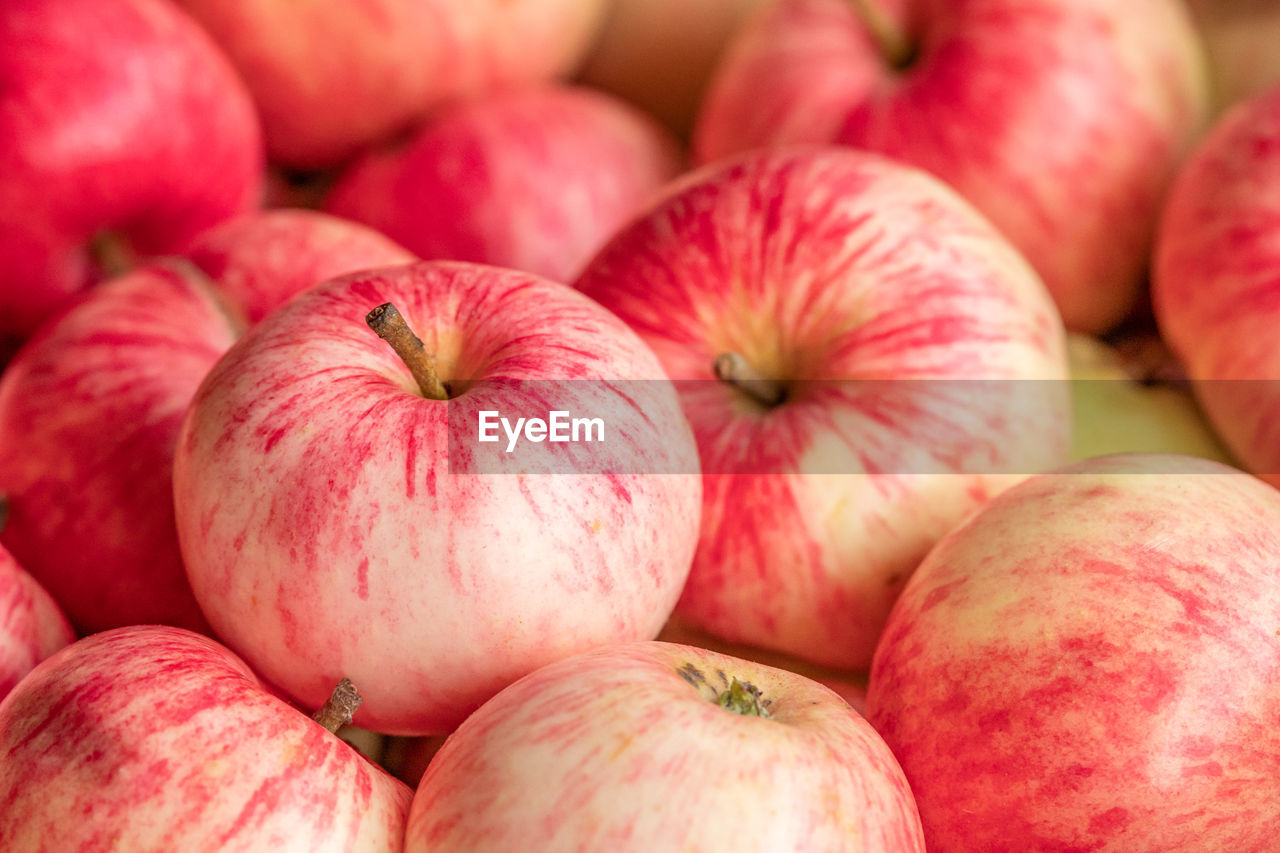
(386,321)
(734,370)
(893,43)
(340,707)
(4,510)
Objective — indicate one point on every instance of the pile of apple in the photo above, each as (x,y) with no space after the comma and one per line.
(934,350)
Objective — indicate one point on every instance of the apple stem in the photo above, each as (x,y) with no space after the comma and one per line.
(4,510)
(893,43)
(340,707)
(389,325)
(733,369)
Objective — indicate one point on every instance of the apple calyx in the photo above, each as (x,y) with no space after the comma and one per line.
(894,46)
(387,322)
(743,697)
(733,369)
(340,707)
(740,697)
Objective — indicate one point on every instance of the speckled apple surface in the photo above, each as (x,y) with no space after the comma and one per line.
(624,748)
(1062,120)
(850,277)
(32,625)
(1091,664)
(326,534)
(155,738)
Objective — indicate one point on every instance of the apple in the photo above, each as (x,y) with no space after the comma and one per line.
(262,259)
(1090,663)
(32,626)
(339,514)
(534,179)
(330,80)
(1062,120)
(875,337)
(1240,38)
(1214,284)
(658,746)
(156,738)
(124,132)
(91,406)
(659,54)
(1120,403)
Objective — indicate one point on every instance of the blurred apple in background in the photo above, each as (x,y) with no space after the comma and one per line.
(32,626)
(330,80)
(124,132)
(1061,120)
(856,302)
(1240,37)
(535,179)
(332,524)
(1216,283)
(1121,403)
(90,409)
(1091,663)
(659,54)
(658,746)
(154,738)
(262,259)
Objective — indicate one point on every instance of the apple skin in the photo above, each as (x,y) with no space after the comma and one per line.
(1214,283)
(614,749)
(1071,162)
(32,625)
(659,54)
(91,406)
(141,134)
(330,81)
(327,527)
(262,259)
(1090,663)
(534,179)
(155,738)
(820,264)
(89,414)
(1117,409)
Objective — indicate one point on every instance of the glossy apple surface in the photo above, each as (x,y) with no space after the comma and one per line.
(332,522)
(1215,288)
(1062,120)
(124,131)
(1090,663)
(155,738)
(628,748)
(535,179)
(874,300)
